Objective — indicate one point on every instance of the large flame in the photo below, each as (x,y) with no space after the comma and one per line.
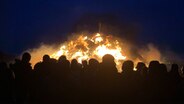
(86,46)
(96,46)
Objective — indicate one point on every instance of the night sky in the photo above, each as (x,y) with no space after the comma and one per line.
(27,23)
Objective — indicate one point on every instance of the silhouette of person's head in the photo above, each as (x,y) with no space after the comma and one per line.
(26,57)
(74,63)
(108,59)
(140,66)
(108,65)
(93,62)
(163,68)
(62,58)
(46,58)
(174,69)
(128,66)
(174,74)
(154,67)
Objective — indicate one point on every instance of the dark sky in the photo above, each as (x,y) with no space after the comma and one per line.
(26,23)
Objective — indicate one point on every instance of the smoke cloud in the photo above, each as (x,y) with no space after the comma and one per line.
(37,53)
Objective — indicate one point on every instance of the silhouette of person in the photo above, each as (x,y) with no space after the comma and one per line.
(129,83)
(153,68)
(22,70)
(174,74)
(163,83)
(153,78)
(127,68)
(108,66)
(76,83)
(84,65)
(93,68)
(7,84)
(64,67)
(140,66)
(62,80)
(90,81)
(39,84)
(58,81)
(108,79)
(175,80)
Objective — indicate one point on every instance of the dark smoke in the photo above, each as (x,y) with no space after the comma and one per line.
(107,24)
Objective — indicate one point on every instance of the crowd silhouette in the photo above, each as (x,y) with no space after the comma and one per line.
(54,81)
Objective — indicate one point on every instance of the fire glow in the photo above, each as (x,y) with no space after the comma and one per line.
(96,46)
(85,46)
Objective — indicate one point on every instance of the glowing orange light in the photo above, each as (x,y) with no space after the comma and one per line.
(85,47)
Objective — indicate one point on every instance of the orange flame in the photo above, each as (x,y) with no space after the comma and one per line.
(84,48)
